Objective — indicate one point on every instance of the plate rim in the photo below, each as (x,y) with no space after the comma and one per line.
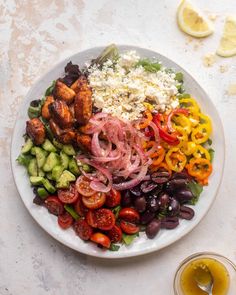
(130,253)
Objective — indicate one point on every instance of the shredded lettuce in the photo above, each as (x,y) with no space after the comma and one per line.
(196,190)
(149,65)
(128,239)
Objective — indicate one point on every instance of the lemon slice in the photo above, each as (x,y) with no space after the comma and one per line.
(192,22)
(227,46)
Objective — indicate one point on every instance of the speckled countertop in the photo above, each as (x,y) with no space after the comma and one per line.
(35,35)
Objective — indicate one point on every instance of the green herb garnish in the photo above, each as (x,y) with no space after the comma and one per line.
(128,239)
(196,190)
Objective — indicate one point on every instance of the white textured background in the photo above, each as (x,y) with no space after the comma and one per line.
(36,34)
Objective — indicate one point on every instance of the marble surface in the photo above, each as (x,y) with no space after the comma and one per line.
(35,35)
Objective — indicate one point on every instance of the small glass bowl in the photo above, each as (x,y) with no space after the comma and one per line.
(230,266)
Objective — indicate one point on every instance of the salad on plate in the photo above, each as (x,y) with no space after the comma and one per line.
(117,148)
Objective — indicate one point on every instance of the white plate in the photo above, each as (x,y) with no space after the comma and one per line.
(141,245)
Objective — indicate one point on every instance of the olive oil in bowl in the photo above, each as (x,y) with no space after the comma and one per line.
(222,270)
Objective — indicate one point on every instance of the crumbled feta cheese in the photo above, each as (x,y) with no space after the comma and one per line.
(122,88)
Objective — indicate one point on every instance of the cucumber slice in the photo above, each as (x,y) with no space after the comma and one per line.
(40,156)
(69,150)
(24,159)
(65,179)
(64,160)
(36,180)
(32,167)
(32,151)
(27,146)
(52,160)
(49,187)
(56,172)
(48,146)
(57,144)
(42,192)
(41,172)
(49,176)
(73,167)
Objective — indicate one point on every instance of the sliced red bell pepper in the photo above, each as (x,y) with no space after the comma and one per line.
(169,138)
(172,113)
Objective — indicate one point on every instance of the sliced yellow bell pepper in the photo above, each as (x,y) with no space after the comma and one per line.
(201,133)
(175,159)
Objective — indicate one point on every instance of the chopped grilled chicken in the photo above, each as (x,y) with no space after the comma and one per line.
(77,84)
(85,128)
(63,92)
(65,136)
(36,130)
(83,102)
(84,141)
(45,110)
(61,114)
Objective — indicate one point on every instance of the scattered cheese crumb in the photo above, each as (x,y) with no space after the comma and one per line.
(231,89)
(223,68)
(209,59)
(122,89)
(212,16)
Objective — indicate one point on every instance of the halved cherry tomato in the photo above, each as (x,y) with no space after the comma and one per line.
(101,239)
(54,205)
(91,219)
(69,195)
(65,220)
(95,201)
(113,198)
(104,218)
(80,208)
(129,228)
(129,214)
(83,229)
(83,186)
(115,234)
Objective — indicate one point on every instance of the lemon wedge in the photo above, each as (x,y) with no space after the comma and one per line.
(227,46)
(192,22)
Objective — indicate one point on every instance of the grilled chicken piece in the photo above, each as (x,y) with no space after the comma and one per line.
(45,110)
(65,136)
(77,84)
(61,114)
(63,92)
(85,128)
(83,102)
(84,141)
(36,130)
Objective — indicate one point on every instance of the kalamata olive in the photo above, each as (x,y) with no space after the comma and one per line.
(170,222)
(173,207)
(157,190)
(186,212)
(136,191)
(160,176)
(163,201)
(180,175)
(140,204)
(153,228)
(148,186)
(38,201)
(126,199)
(183,196)
(175,184)
(153,203)
(146,217)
